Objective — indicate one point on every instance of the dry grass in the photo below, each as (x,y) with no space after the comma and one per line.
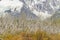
(21,29)
(39,35)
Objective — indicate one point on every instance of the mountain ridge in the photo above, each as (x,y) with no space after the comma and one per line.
(41,8)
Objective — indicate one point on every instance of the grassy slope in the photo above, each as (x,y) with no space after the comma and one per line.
(25,34)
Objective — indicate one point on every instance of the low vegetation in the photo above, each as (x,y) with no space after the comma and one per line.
(13,28)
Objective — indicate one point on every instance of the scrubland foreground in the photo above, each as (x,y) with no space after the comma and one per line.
(13,28)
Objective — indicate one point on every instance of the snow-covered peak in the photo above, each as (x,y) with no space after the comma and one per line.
(10,4)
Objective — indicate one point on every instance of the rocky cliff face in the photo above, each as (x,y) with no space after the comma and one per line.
(40,8)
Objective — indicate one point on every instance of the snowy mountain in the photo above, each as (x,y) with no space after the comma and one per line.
(40,8)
